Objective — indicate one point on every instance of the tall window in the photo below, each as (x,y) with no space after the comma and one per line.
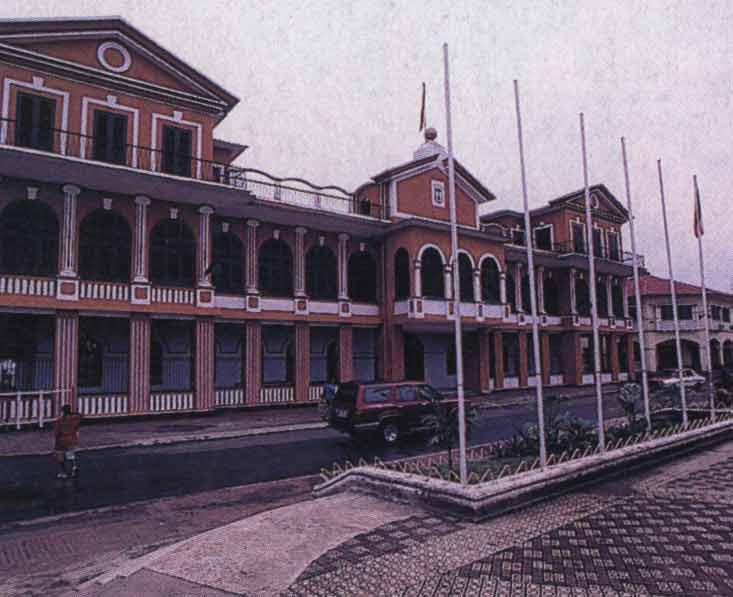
(276,268)
(602,298)
(617,297)
(28,239)
(623,355)
(518,236)
(605,354)
(431,274)
(34,125)
(321,273)
(465,277)
(176,151)
(511,292)
(598,242)
(582,297)
(510,346)
(551,294)
(490,282)
(556,353)
(526,294)
(543,238)
(613,249)
(401,274)
(172,254)
(228,264)
(90,359)
(104,247)
(578,237)
(586,349)
(362,278)
(110,137)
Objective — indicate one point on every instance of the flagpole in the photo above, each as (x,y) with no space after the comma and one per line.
(699,233)
(594,304)
(637,293)
(673,291)
(529,242)
(456,278)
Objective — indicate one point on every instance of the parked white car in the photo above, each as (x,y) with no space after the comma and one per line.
(670,377)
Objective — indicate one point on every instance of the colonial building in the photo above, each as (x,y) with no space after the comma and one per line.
(658,321)
(141,271)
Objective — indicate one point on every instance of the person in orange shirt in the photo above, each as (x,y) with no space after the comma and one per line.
(66,440)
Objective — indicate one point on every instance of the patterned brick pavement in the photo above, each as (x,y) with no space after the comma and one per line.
(669,532)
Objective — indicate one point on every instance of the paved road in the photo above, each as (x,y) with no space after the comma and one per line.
(120,476)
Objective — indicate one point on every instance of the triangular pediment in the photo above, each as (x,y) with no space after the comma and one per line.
(110,49)
(602,201)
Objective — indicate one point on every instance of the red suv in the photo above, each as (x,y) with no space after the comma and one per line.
(393,409)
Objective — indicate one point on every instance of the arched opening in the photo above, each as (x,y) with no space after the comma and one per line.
(431,274)
(401,274)
(551,291)
(602,298)
(667,355)
(104,247)
(582,297)
(715,354)
(362,278)
(414,358)
(728,352)
(465,278)
(228,263)
(275,264)
(172,254)
(490,282)
(29,235)
(321,273)
(511,292)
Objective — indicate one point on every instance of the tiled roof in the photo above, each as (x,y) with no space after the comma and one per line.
(654,286)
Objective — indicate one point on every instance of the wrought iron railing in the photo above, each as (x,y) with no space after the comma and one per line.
(264,186)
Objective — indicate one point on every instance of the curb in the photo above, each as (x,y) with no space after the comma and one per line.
(179,439)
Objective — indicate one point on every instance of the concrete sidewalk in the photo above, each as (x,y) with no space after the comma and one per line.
(659,532)
(224,424)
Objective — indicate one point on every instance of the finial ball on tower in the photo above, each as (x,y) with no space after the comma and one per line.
(431,134)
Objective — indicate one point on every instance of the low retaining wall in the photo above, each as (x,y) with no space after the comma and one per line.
(493,498)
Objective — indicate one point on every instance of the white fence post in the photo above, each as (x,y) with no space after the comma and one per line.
(17,411)
(41,407)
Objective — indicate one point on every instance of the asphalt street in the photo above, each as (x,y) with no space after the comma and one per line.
(29,489)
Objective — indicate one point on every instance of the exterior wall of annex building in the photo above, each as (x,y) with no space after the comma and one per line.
(140,271)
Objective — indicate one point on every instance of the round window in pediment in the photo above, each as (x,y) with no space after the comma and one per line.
(114,57)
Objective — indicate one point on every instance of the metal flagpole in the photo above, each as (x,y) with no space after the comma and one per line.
(637,292)
(673,291)
(699,233)
(529,242)
(594,304)
(456,278)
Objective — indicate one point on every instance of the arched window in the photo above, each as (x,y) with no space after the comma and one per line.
(511,292)
(104,247)
(362,278)
(276,268)
(228,264)
(172,254)
(490,282)
(465,278)
(431,274)
(582,297)
(602,298)
(321,273)
(29,236)
(401,274)
(526,299)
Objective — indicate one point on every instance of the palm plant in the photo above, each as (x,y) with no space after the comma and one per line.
(441,425)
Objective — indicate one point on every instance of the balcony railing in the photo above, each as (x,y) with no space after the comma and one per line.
(264,186)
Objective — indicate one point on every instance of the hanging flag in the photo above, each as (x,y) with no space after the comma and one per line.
(699,231)
(422,109)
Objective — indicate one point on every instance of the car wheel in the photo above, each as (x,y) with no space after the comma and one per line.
(390,432)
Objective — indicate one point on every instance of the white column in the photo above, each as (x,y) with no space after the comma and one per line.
(540,277)
(343,266)
(141,237)
(448,281)
(251,263)
(573,302)
(418,278)
(205,212)
(68,233)
(477,298)
(300,260)
(502,287)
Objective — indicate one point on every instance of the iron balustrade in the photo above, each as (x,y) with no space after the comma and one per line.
(260,184)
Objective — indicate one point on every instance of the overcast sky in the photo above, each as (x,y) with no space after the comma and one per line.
(330,92)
